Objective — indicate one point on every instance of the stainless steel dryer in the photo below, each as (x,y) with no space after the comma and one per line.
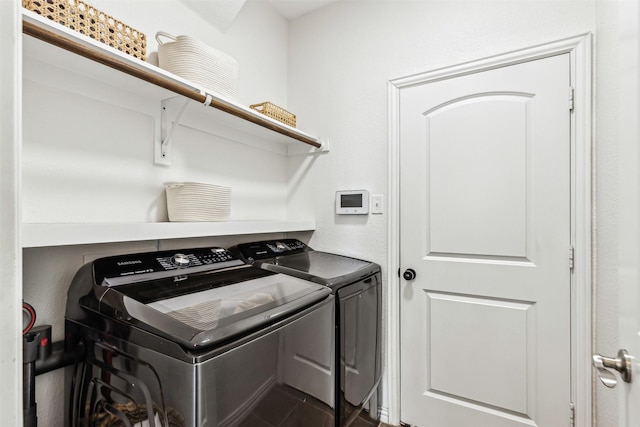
(356,285)
(194,339)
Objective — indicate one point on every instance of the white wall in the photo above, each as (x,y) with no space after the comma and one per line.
(340,60)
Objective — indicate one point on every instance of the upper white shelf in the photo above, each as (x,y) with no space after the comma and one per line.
(42,235)
(90,58)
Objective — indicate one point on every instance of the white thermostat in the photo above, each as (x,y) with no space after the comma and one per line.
(352,202)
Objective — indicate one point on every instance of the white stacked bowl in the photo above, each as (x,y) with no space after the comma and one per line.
(198,202)
(199,63)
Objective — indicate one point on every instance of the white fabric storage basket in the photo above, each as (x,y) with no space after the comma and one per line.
(199,63)
(194,201)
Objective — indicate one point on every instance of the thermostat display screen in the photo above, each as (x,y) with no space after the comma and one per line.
(352,202)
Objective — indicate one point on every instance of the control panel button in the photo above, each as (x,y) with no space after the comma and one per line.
(180,260)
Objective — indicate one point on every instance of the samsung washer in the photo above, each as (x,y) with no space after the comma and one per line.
(356,286)
(192,339)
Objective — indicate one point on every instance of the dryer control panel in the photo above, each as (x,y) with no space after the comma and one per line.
(269,249)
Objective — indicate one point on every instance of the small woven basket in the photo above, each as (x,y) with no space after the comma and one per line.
(275,112)
(93,23)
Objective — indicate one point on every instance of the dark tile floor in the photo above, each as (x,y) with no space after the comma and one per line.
(287,407)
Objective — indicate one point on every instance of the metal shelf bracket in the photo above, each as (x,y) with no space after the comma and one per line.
(168,126)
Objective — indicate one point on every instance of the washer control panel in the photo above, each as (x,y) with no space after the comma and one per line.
(153,262)
(194,258)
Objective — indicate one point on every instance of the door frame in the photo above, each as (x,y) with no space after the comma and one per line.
(11,267)
(579,48)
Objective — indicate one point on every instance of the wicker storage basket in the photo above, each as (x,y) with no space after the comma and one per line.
(93,23)
(199,63)
(275,112)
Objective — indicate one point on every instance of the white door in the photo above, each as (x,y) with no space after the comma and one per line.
(485,224)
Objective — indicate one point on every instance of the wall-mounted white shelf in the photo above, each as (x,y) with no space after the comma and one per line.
(61,50)
(55,44)
(41,235)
